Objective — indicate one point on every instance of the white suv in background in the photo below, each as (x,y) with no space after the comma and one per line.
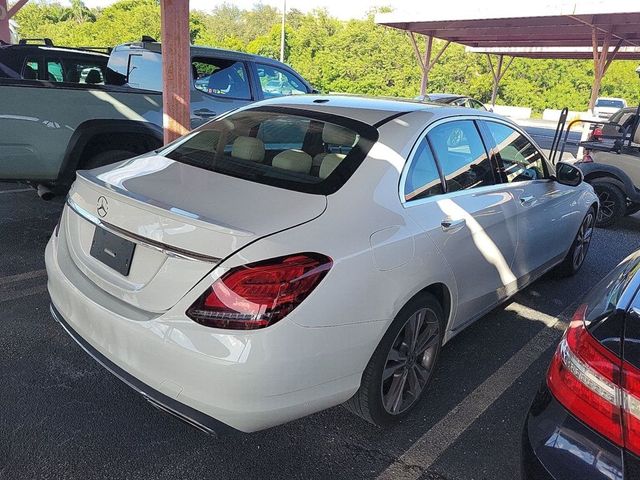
(607,106)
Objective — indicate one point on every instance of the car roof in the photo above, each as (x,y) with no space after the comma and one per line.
(204,51)
(445,96)
(369,110)
(46,48)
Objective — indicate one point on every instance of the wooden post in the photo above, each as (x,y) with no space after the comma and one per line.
(600,64)
(426,64)
(497,75)
(6,14)
(176,68)
(5,32)
(426,67)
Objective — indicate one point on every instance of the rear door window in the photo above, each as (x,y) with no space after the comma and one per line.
(274,146)
(54,70)
(221,77)
(277,82)
(31,69)
(461,155)
(423,179)
(84,71)
(144,70)
(521,160)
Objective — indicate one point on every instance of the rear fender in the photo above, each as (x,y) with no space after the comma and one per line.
(615,175)
(151,137)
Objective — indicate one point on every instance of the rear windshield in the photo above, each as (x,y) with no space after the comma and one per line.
(603,298)
(286,148)
(609,103)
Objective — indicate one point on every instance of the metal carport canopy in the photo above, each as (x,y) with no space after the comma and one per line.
(575,29)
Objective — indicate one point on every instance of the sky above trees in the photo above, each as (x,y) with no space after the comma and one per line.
(344,10)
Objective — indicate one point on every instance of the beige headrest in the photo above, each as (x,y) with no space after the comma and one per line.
(329,164)
(248,148)
(293,160)
(336,135)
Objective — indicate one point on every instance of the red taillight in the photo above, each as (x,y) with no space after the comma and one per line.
(631,407)
(595,386)
(259,294)
(596,134)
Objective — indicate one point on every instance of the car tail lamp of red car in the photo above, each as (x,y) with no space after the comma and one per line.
(260,294)
(596,386)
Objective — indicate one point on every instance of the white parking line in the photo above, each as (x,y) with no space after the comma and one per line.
(426,450)
(22,276)
(17,190)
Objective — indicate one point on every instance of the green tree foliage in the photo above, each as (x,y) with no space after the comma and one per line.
(356,56)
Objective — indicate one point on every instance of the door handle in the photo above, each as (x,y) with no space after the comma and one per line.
(448,224)
(527,200)
(205,113)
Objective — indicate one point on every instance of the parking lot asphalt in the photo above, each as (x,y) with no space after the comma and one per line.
(63,416)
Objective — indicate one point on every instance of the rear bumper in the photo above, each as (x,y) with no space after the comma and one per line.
(215,379)
(185,413)
(557,446)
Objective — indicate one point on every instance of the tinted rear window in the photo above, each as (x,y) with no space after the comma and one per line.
(286,148)
(609,103)
(603,319)
(604,297)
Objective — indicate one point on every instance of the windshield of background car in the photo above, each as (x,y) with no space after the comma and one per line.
(609,103)
(287,148)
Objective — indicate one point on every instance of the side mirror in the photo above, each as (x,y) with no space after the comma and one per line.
(567,174)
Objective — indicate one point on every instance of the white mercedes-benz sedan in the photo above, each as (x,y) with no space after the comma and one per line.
(308,251)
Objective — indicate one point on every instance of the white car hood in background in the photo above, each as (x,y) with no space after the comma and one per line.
(180,206)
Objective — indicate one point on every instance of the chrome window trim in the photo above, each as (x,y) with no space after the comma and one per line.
(407,203)
(170,251)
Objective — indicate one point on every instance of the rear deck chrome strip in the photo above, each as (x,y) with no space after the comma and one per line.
(159,246)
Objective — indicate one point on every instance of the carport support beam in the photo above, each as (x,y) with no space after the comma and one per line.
(5,32)
(427,64)
(600,63)
(6,14)
(497,74)
(176,68)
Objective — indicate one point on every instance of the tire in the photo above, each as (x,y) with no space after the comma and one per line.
(107,158)
(375,400)
(580,246)
(632,208)
(613,203)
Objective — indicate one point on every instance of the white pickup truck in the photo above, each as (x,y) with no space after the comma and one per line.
(58,115)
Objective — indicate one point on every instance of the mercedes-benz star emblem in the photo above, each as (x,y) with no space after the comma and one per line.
(102,207)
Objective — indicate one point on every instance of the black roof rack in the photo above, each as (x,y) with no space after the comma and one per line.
(147,38)
(47,42)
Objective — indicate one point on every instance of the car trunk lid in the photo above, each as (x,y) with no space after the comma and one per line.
(182,219)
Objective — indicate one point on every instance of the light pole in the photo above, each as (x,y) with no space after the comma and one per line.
(284,13)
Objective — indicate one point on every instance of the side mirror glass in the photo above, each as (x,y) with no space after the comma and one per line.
(567,174)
